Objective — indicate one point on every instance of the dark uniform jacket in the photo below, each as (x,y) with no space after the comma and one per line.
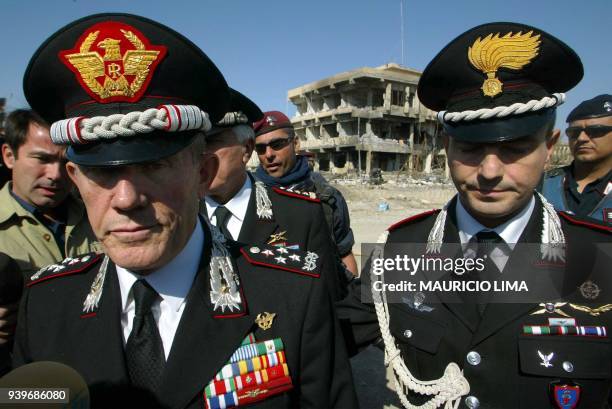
(508,371)
(595,201)
(301,219)
(52,326)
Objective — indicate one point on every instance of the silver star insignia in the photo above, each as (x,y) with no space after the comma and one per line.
(282,250)
(281,259)
(295,257)
(267,253)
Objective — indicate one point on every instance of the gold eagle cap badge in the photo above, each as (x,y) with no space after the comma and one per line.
(113,62)
(511,51)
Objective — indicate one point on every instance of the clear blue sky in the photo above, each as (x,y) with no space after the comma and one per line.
(265,47)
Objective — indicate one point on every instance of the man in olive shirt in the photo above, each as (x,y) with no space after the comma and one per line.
(40,223)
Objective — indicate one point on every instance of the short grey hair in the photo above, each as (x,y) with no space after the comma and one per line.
(243,133)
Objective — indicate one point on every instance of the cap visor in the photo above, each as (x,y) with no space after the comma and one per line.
(130,150)
(500,129)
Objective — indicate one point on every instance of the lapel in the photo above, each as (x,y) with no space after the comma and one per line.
(202,344)
(101,336)
(466,312)
(498,315)
(255,230)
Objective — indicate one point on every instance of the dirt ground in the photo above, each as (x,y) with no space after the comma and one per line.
(373,383)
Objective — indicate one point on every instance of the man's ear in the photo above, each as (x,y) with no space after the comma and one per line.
(71,170)
(8,156)
(551,141)
(296,143)
(249,146)
(209,165)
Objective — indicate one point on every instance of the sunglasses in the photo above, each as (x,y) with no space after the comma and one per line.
(593,131)
(276,145)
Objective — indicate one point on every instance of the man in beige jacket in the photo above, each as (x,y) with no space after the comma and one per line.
(40,222)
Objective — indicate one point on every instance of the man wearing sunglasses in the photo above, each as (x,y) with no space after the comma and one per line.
(247,211)
(276,145)
(585,186)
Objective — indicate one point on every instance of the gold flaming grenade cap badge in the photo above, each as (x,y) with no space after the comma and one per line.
(511,51)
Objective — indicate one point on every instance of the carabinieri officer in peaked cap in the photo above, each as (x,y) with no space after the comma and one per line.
(584,187)
(171,314)
(496,88)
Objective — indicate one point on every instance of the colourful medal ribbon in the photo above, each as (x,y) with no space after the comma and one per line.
(250,365)
(590,331)
(259,348)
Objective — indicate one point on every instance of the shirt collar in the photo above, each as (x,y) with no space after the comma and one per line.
(509,231)
(237,205)
(171,281)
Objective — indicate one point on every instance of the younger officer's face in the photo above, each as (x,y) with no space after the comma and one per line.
(39,174)
(594,147)
(144,214)
(277,162)
(497,180)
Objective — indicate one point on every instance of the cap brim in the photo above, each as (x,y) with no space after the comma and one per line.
(130,150)
(500,129)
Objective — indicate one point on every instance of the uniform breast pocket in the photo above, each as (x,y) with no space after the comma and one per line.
(566,357)
(416,329)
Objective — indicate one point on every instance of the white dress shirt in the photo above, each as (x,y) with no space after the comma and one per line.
(510,231)
(237,206)
(173,282)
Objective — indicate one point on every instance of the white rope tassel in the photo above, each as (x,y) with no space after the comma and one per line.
(170,118)
(446,390)
(436,235)
(502,111)
(552,247)
(264,205)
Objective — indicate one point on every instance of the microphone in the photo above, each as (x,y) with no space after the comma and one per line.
(11,280)
(48,378)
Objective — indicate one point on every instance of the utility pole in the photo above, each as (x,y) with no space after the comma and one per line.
(402,29)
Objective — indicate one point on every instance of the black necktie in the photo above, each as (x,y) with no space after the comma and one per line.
(223,215)
(144,350)
(487,242)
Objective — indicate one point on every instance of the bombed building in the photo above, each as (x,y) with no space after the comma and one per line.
(367,118)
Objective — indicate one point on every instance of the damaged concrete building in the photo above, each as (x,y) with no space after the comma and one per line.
(368,118)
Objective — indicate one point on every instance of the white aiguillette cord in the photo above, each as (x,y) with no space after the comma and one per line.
(446,390)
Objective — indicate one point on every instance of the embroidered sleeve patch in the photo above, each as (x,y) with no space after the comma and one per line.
(68,266)
(284,258)
(310,196)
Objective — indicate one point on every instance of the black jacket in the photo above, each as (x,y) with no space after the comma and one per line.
(52,326)
(510,373)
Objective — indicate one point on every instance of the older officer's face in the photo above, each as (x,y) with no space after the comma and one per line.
(496,180)
(233,157)
(144,214)
(590,140)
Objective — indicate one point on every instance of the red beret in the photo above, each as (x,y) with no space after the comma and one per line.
(271,121)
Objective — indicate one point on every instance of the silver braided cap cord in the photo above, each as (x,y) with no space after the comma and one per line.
(502,111)
(233,118)
(169,118)
(446,390)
